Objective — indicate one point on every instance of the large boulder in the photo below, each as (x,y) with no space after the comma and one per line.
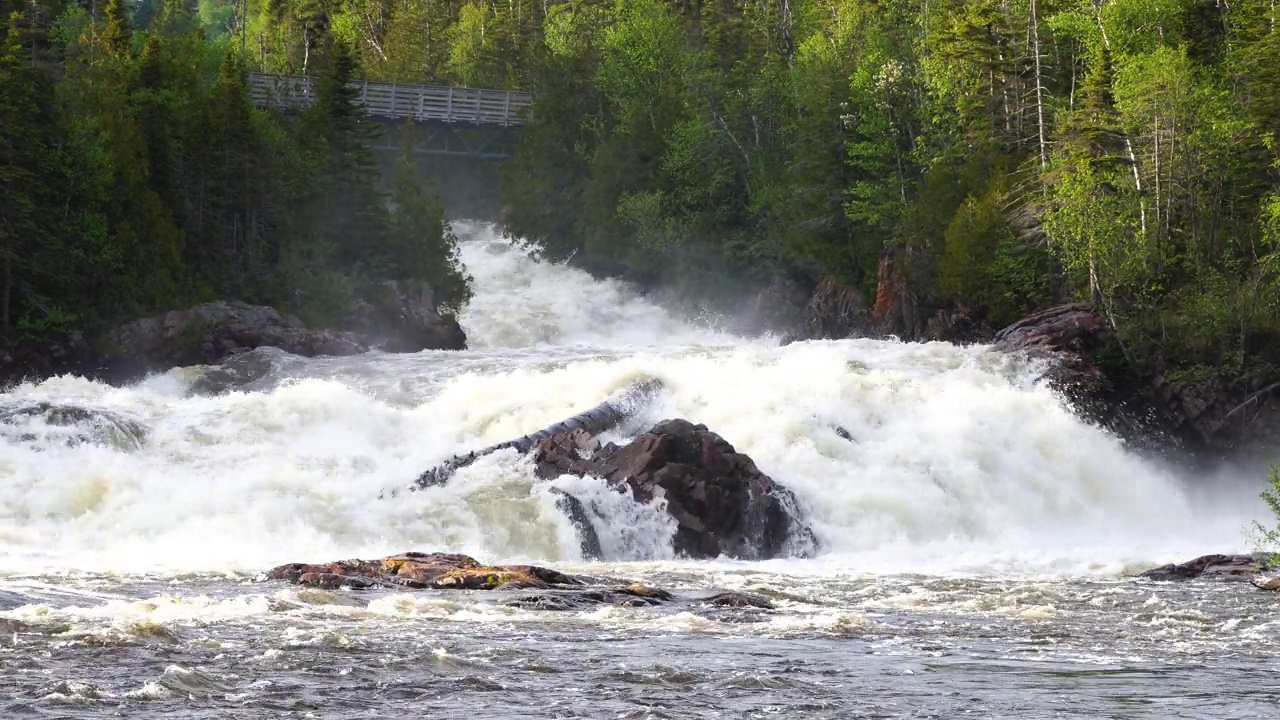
(208,333)
(721,502)
(398,317)
(1065,336)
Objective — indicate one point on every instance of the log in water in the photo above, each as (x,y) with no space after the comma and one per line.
(605,416)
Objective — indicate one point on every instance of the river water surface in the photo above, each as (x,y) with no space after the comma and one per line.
(979,540)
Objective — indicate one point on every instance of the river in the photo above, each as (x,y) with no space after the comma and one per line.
(979,539)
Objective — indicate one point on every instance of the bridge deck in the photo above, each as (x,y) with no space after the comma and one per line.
(394,101)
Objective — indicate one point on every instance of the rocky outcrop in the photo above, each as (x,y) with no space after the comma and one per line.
(958,324)
(525,586)
(1212,566)
(1235,413)
(399,318)
(394,318)
(35,361)
(253,370)
(416,570)
(1066,336)
(834,311)
(206,334)
(721,502)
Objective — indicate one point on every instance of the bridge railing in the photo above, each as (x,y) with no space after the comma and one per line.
(396,101)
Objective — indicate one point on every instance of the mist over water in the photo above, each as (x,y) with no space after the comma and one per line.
(959,461)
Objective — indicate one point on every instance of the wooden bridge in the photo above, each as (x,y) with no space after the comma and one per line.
(464,122)
(473,107)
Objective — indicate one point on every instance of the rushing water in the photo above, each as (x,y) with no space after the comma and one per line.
(979,539)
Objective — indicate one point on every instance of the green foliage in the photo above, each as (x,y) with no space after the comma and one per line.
(1010,155)
(136,176)
(422,247)
(321,298)
(53,323)
(1268,536)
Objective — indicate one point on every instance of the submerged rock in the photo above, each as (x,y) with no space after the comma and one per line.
(1213,566)
(722,503)
(1066,336)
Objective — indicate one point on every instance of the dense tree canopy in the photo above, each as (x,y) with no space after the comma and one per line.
(1007,154)
(136,176)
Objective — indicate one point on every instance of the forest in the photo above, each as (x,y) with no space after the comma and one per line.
(1007,155)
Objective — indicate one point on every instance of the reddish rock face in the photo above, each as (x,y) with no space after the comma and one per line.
(722,503)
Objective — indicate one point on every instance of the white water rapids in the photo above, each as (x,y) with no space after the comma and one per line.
(959,461)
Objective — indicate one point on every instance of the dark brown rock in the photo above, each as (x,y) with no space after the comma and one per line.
(1066,336)
(421,570)
(1210,566)
(525,586)
(834,311)
(722,503)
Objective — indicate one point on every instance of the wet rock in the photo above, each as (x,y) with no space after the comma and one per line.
(722,503)
(530,587)
(834,311)
(1227,412)
(1219,566)
(421,570)
(1066,336)
(31,361)
(399,318)
(214,331)
(646,592)
(249,370)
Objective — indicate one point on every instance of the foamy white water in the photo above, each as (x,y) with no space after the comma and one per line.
(959,461)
